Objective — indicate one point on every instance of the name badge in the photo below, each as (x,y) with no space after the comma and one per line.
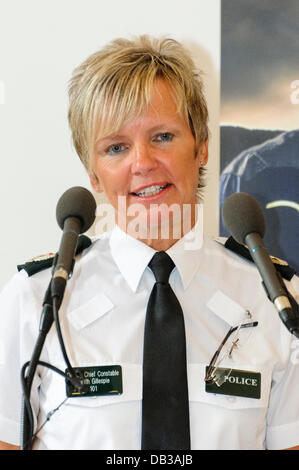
(96,381)
(240,383)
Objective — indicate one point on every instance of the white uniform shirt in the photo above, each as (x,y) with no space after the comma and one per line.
(102,318)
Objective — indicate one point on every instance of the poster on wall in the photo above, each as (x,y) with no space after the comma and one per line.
(260,115)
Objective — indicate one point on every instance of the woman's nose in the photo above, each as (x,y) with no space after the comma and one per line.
(143,159)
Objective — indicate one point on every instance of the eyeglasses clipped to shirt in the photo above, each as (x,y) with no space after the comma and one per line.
(236,337)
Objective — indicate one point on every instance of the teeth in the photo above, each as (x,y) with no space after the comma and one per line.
(150,191)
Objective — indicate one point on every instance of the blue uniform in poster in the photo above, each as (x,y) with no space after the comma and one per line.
(270,173)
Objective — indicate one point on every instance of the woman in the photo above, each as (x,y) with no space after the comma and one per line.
(139,124)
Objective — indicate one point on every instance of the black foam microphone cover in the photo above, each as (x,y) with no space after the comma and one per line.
(76,202)
(242,215)
(75,213)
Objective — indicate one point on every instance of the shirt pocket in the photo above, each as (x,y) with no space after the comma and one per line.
(95,422)
(224,421)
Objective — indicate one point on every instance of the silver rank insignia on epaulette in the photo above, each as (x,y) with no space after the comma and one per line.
(42,257)
(41,262)
(276,260)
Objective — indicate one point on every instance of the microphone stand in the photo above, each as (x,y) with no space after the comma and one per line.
(46,322)
(288,316)
(51,305)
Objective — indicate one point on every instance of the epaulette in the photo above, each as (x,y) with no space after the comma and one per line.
(39,263)
(286,271)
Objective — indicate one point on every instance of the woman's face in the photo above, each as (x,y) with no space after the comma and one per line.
(151,161)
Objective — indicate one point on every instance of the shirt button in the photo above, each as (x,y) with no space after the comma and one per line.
(231,399)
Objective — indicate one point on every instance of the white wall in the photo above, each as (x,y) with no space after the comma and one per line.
(41,41)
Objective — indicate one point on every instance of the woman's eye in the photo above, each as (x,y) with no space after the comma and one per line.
(115,149)
(164,137)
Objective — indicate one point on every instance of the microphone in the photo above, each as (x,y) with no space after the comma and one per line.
(244,219)
(75,213)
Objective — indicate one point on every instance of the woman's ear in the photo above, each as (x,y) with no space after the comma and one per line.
(203,153)
(95,183)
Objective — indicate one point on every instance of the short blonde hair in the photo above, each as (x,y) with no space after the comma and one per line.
(114,85)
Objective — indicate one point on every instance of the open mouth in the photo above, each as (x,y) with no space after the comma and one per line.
(151,190)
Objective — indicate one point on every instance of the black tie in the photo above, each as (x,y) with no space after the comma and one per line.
(165,406)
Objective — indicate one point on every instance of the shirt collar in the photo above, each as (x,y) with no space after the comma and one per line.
(186,253)
(133,256)
(130,255)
